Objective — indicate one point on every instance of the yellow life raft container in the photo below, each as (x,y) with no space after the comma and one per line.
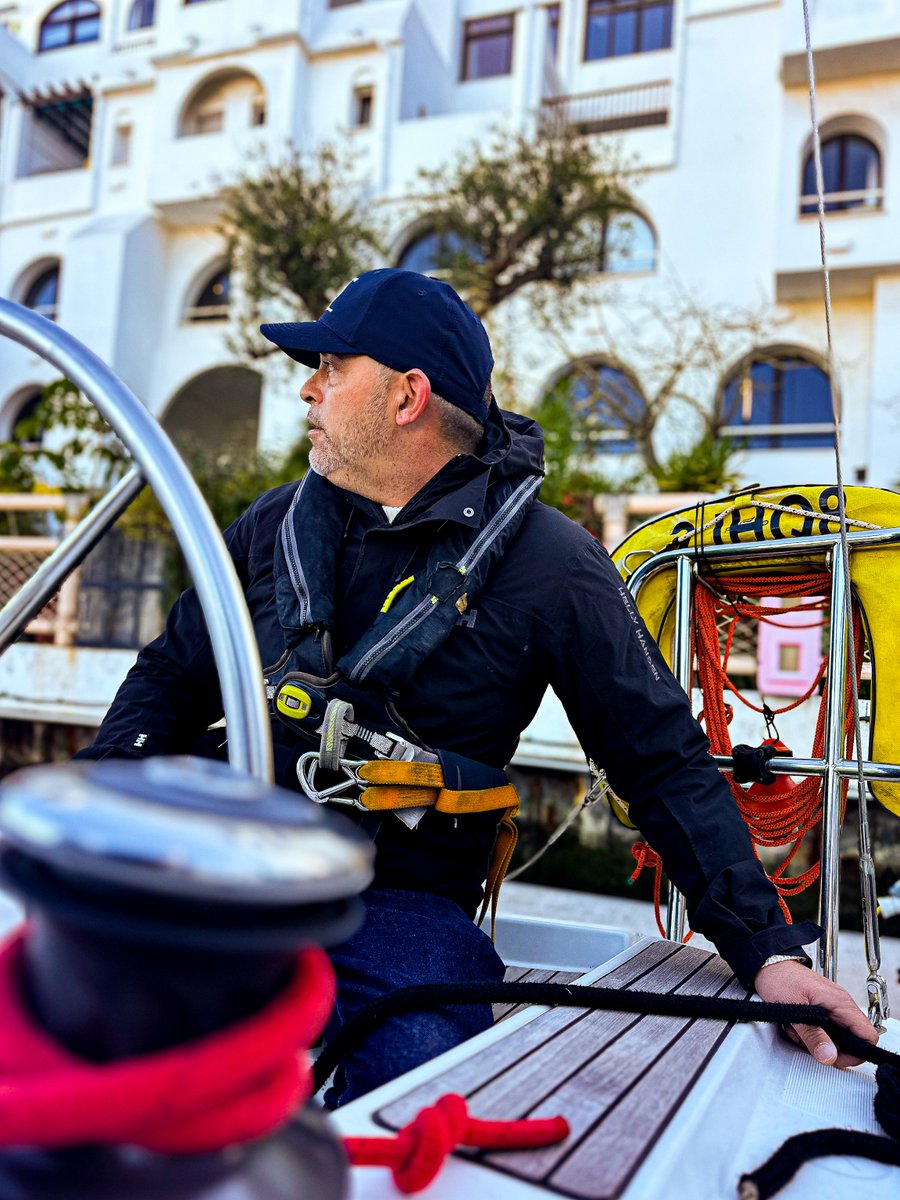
(769,516)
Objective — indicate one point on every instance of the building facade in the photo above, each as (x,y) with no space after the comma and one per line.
(121,120)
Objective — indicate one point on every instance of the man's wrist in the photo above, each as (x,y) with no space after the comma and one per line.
(778,958)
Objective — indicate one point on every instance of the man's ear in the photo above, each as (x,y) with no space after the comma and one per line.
(415,394)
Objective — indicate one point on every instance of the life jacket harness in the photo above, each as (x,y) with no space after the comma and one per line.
(777,810)
(375,762)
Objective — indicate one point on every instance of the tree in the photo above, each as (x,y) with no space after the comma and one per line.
(573,476)
(64,442)
(654,356)
(296,231)
(522,209)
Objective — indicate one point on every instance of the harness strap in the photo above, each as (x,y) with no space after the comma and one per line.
(504,846)
(397,784)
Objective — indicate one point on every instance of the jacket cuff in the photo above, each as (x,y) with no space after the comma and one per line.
(747,957)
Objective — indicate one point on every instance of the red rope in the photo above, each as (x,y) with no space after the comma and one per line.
(784,815)
(420,1149)
(233,1086)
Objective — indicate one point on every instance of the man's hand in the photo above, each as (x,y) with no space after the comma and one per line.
(793,983)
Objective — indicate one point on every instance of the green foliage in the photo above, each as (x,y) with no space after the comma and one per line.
(703,467)
(572,476)
(297,230)
(64,442)
(229,481)
(525,210)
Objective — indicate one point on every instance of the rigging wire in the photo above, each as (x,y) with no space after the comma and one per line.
(875,984)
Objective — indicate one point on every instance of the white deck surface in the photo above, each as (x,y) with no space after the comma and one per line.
(755,1092)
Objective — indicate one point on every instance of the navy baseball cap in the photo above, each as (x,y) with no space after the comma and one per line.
(403,320)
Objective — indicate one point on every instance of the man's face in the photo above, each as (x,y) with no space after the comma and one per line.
(349,425)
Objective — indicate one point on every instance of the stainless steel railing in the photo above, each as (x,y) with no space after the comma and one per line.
(158,464)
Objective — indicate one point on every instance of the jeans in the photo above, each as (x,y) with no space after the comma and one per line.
(407,938)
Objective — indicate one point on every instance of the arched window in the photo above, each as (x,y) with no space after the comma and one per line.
(42,294)
(17,423)
(778,401)
(211,301)
(851,170)
(629,244)
(70,24)
(231,98)
(24,429)
(141,14)
(431,252)
(608,406)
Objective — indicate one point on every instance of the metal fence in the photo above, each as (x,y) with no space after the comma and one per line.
(113,600)
(612,109)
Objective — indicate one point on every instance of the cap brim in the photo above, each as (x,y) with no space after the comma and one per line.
(306,340)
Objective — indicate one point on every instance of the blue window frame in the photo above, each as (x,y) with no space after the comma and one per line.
(70,24)
(43,293)
(617,27)
(431,252)
(851,171)
(629,244)
(487,47)
(213,298)
(772,394)
(608,404)
(141,15)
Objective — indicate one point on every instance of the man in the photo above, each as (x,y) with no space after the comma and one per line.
(414,574)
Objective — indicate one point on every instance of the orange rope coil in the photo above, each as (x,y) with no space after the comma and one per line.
(784,815)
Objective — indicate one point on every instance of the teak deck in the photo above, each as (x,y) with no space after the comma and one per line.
(617,1077)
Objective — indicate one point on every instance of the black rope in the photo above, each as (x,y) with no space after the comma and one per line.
(668,1004)
(759,1184)
(780,1169)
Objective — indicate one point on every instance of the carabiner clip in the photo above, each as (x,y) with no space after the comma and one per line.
(337,793)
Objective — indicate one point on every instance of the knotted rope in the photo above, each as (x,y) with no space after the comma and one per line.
(417,1153)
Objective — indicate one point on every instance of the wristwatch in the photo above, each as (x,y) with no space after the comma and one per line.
(777,958)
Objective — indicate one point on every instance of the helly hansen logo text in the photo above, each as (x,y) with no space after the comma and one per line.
(640,633)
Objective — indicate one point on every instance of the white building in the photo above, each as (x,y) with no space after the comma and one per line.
(120,121)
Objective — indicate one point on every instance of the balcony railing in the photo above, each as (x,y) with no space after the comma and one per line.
(33,526)
(612,109)
(114,600)
(868,199)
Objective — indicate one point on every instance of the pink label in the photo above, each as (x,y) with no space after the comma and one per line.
(790,652)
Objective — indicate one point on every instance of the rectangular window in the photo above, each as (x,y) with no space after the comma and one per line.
(617,27)
(487,47)
(363,98)
(121,147)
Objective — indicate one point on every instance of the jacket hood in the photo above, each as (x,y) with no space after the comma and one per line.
(513,443)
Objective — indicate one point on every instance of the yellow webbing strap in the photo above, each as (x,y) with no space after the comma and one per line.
(504,846)
(398,784)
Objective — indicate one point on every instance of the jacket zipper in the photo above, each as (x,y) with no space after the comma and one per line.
(292,557)
(413,618)
(429,604)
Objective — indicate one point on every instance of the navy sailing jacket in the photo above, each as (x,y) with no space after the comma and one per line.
(554,612)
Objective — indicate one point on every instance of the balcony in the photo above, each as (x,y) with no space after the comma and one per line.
(613,109)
